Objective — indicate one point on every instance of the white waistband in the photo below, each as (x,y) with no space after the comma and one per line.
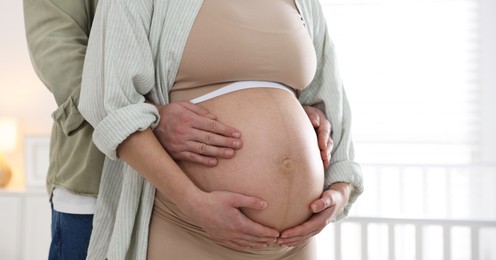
(239,85)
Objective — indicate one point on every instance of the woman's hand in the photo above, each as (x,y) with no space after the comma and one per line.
(323,128)
(325,210)
(189,132)
(219,215)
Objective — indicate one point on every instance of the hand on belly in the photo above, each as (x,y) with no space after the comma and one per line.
(279,163)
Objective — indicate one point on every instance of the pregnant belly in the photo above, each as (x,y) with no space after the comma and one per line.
(280,160)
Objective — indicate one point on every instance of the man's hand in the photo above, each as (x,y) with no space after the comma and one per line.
(219,215)
(189,132)
(323,129)
(325,210)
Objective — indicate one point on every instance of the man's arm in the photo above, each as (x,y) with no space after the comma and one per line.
(57,34)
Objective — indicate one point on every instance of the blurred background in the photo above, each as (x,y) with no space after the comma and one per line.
(24,101)
(421,79)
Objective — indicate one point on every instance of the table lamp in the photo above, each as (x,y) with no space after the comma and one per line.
(8,143)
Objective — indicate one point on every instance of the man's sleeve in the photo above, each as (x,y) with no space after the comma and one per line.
(57,34)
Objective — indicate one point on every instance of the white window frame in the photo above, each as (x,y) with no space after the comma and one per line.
(488,80)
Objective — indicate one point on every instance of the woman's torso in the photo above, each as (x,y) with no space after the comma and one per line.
(280,160)
(239,40)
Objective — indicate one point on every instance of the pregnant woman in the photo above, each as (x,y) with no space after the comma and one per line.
(252,64)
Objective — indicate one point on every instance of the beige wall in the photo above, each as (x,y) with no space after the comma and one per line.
(22,95)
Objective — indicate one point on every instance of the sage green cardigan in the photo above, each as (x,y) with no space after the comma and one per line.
(135,49)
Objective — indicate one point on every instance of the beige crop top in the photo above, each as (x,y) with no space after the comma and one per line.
(240,40)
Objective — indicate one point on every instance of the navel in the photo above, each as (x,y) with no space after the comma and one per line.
(287,166)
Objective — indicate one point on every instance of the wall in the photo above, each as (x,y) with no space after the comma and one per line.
(22,95)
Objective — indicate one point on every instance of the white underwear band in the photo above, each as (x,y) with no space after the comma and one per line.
(239,85)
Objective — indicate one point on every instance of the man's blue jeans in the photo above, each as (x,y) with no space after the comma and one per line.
(70,236)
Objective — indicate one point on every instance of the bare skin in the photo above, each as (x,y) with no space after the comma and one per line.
(332,201)
(325,210)
(323,129)
(217,212)
(196,123)
(280,161)
(184,126)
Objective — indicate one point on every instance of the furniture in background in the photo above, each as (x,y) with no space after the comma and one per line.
(25,213)
(24,224)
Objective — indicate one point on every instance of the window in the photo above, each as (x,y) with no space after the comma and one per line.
(410,69)
(420,78)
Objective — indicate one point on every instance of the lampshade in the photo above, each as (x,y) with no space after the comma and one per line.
(8,135)
(8,143)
